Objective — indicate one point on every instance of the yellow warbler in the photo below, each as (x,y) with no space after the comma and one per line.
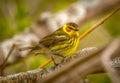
(63,42)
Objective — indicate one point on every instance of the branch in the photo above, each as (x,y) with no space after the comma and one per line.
(2,66)
(74,68)
(23,77)
(40,74)
(112,56)
(96,25)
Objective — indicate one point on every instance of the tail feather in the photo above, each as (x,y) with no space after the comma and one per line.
(26,48)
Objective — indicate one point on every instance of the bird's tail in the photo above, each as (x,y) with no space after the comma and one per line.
(26,48)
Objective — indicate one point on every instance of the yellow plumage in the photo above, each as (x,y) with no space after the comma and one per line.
(62,42)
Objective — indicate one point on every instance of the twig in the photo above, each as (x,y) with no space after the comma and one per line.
(98,24)
(45,64)
(2,66)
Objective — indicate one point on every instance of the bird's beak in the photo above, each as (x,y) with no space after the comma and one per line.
(76,34)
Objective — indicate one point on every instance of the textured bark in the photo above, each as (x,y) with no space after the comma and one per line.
(39,75)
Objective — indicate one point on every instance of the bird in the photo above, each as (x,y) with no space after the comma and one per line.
(63,42)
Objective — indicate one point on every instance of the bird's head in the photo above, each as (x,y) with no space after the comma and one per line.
(71,28)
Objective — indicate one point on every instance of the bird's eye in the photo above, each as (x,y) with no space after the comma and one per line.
(68,29)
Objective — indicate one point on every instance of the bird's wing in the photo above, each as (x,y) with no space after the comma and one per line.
(50,40)
(58,37)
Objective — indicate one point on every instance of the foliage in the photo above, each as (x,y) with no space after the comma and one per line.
(99,78)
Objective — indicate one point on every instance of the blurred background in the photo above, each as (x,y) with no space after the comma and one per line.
(27,21)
